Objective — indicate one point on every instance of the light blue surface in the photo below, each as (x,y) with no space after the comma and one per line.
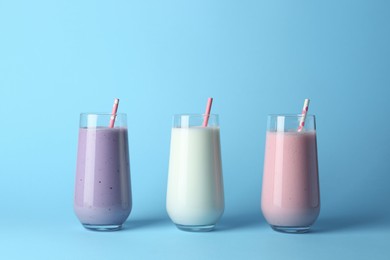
(60,58)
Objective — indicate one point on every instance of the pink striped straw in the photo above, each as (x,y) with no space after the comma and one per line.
(304,113)
(113,113)
(207,113)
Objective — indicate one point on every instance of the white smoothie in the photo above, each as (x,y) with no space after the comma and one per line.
(195,186)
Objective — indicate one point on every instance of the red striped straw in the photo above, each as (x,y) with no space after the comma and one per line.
(207,113)
(304,113)
(113,113)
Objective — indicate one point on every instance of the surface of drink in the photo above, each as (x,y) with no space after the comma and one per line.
(195,186)
(102,185)
(290,194)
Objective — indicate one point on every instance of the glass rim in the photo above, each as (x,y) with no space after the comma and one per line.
(194,115)
(101,114)
(289,115)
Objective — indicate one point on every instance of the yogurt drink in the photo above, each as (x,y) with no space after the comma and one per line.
(195,200)
(290,196)
(102,187)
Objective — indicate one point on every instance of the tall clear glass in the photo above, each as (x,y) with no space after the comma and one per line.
(102,200)
(290,199)
(195,197)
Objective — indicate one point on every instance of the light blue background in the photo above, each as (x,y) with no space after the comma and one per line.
(60,58)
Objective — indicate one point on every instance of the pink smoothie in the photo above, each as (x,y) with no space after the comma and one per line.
(290,195)
(102,191)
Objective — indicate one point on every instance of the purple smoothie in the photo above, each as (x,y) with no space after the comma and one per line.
(102,190)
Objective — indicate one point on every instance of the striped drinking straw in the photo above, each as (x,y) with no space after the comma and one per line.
(304,113)
(113,113)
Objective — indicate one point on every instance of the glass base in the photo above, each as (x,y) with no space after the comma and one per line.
(202,228)
(291,230)
(102,227)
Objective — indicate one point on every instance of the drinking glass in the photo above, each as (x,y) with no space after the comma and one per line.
(102,200)
(290,199)
(195,198)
